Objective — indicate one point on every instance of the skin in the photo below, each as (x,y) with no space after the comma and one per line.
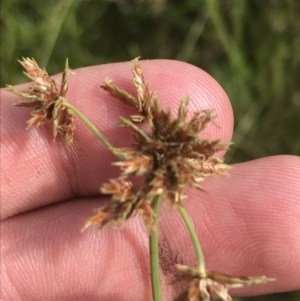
(248,223)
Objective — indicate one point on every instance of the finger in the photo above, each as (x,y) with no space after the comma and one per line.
(239,221)
(36,171)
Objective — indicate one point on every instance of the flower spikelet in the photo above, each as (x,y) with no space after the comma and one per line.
(125,202)
(210,285)
(119,209)
(46,100)
(144,100)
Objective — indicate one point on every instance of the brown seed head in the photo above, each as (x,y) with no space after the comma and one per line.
(170,157)
(209,285)
(47,102)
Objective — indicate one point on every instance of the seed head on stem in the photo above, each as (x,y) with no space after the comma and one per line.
(170,156)
(47,101)
(209,285)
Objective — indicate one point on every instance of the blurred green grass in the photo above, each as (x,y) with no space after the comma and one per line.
(251,47)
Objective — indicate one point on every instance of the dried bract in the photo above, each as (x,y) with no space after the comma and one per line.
(44,97)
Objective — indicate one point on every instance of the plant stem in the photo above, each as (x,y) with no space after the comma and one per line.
(90,125)
(154,256)
(136,128)
(199,253)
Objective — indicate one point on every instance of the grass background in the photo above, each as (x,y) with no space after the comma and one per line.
(251,47)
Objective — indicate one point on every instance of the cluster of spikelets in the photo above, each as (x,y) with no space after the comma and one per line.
(207,285)
(47,100)
(169,156)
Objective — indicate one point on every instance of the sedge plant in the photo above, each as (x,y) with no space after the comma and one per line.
(169,155)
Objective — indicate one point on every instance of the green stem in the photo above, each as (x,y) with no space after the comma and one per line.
(90,125)
(154,257)
(136,128)
(199,253)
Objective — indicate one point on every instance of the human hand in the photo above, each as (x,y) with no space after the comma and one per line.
(248,224)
